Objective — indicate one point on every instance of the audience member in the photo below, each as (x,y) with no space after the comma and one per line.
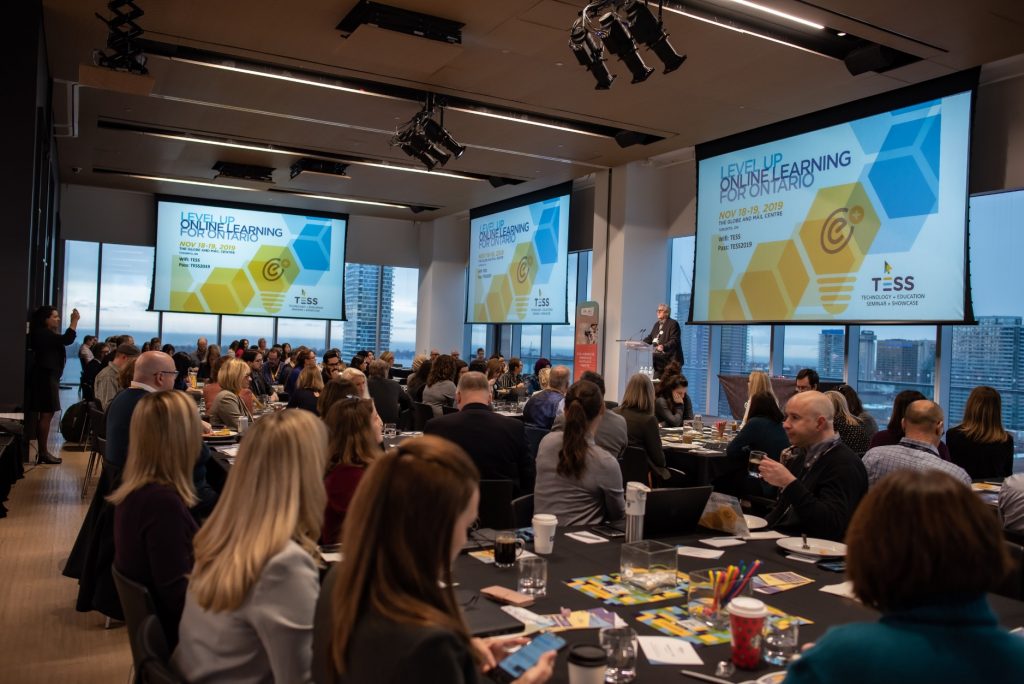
(212,388)
(387,357)
(183,363)
(763,431)
(758,382)
(577,481)
(850,429)
(106,385)
(359,362)
(388,396)
(306,394)
(440,389)
(533,380)
(85,354)
(673,404)
(356,433)
(153,529)
(93,369)
(820,479)
(481,354)
(543,406)
(495,369)
(206,367)
(919,448)
(979,444)
(544,378)
(333,392)
(228,407)
(394,593)
(168,349)
(807,380)
(199,355)
(434,353)
(252,594)
(272,368)
(935,626)
(1011,504)
(417,382)
(357,378)
(258,383)
(857,408)
(511,383)
(893,432)
(637,407)
(496,443)
(332,365)
(477,366)
(611,432)
(261,347)
(302,358)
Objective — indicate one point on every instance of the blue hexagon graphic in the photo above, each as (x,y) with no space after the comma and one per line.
(905,173)
(313,247)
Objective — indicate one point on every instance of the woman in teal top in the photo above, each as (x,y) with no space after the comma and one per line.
(923,550)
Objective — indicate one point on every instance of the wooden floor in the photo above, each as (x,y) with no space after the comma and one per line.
(42,637)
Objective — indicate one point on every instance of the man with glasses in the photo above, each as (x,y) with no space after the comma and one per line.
(664,337)
(332,365)
(257,380)
(807,380)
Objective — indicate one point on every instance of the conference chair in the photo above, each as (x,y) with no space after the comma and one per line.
(97,444)
(155,666)
(421,413)
(533,436)
(522,511)
(495,509)
(1013,584)
(137,603)
(634,466)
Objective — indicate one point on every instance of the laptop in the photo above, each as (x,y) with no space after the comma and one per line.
(485,617)
(672,512)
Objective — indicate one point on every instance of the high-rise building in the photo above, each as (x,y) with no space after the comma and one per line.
(868,340)
(989,353)
(831,353)
(368,303)
(694,340)
(905,361)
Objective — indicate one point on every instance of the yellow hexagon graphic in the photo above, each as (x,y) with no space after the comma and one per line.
(724,305)
(523,269)
(721,266)
(499,298)
(839,229)
(774,281)
(227,290)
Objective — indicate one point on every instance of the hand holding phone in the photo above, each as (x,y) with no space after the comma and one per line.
(517,664)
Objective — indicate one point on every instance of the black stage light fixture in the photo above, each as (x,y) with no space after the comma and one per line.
(649,31)
(426,139)
(438,135)
(620,43)
(319,166)
(123,36)
(591,56)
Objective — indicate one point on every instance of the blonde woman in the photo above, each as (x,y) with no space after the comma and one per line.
(228,406)
(980,445)
(758,383)
(544,377)
(153,529)
(851,430)
(249,611)
(308,388)
(357,378)
(637,407)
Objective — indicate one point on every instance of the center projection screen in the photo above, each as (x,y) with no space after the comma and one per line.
(864,221)
(248,261)
(518,259)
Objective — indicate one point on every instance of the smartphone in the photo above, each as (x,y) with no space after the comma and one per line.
(609,531)
(833,565)
(513,666)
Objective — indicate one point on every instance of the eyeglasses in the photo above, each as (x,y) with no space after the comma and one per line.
(173,372)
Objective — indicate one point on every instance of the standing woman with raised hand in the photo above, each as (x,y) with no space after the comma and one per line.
(48,359)
(249,611)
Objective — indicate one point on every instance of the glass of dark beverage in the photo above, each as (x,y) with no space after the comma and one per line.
(507,547)
(755,462)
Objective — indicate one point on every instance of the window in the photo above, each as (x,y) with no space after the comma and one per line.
(893,359)
(529,345)
(252,328)
(405,292)
(822,349)
(126,278)
(81,265)
(303,332)
(183,330)
(694,338)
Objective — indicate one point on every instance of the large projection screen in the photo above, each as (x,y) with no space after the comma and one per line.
(248,260)
(518,259)
(861,221)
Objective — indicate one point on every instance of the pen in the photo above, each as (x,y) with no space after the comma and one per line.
(703,677)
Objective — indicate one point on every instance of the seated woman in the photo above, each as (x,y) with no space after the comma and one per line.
(336,390)
(762,432)
(307,389)
(206,367)
(979,444)
(893,432)
(228,406)
(495,369)
(417,382)
(577,481)
(533,381)
(440,390)
(388,613)
(673,405)
(356,433)
(935,626)
(153,528)
(850,429)
(857,409)
(249,610)
(758,382)
(357,378)
(388,396)
(212,388)
(637,407)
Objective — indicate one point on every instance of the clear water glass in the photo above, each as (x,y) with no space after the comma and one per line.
(533,576)
(620,645)
(781,642)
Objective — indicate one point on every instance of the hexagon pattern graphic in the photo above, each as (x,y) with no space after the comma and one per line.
(227,290)
(522,272)
(905,174)
(774,281)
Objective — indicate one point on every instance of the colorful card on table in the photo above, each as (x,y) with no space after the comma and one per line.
(595,618)
(613,591)
(487,555)
(675,621)
(774,582)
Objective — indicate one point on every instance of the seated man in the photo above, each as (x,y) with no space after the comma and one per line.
(611,431)
(822,480)
(1011,504)
(543,406)
(107,385)
(919,448)
(496,443)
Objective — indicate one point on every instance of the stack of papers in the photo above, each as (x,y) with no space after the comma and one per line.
(775,582)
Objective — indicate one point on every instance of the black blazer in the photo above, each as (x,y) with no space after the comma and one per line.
(48,348)
(669,339)
(497,444)
(389,397)
(642,431)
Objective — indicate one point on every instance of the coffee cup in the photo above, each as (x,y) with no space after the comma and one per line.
(507,548)
(544,526)
(587,664)
(746,621)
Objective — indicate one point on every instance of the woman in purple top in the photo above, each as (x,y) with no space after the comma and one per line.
(153,529)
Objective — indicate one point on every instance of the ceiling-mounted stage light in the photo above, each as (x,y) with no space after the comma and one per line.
(590,55)
(650,31)
(426,139)
(123,38)
(620,43)
(439,135)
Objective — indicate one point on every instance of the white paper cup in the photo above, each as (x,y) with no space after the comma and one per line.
(587,664)
(544,527)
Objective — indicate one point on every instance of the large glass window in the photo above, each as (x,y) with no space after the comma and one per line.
(744,348)
(184,330)
(694,338)
(529,344)
(892,359)
(252,328)
(405,292)
(81,264)
(303,332)
(126,278)
(822,349)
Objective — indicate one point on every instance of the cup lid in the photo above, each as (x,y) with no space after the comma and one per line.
(745,606)
(545,518)
(587,656)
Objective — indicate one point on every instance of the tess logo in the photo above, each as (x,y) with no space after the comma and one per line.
(889,283)
(311,301)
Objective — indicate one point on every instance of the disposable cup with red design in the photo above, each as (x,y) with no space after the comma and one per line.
(746,621)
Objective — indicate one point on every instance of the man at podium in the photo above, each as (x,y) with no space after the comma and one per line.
(664,337)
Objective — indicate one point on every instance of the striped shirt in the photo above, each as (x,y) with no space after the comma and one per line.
(909,454)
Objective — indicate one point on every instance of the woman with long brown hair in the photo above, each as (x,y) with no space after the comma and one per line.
(388,613)
(979,444)
(637,408)
(577,481)
(356,433)
(850,428)
(440,389)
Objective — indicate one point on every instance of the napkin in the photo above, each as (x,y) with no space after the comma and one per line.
(665,650)
(722,542)
(586,537)
(698,552)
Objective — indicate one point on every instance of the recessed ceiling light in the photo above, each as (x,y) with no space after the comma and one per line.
(744,31)
(777,13)
(185,181)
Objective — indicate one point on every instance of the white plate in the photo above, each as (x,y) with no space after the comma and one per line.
(821,548)
(231,435)
(755,523)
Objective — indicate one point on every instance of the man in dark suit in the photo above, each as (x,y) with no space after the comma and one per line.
(497,444)
(388,396)
(665,338)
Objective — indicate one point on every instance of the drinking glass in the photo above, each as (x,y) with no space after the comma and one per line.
(755,463)
(507,548)
(700,599)
(781,641)
(533,576)
(390,430)
(620,644)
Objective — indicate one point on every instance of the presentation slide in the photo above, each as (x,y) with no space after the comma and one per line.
(863,221)
(248,262)
(518,260)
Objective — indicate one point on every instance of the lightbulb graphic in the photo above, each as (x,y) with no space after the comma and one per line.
(837,234)
(273,269)
(521,273)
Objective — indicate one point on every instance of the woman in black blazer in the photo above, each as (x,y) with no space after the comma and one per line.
(637,408)
(48,357)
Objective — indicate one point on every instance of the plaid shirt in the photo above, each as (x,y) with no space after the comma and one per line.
(909,454)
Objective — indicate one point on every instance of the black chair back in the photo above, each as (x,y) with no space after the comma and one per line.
(448,410)
(421,414)
(533,436)
(155,666)
(634,466)
(522,511)
(406,420)
(97,421)
(137,604)
(496,504)
(1013,584)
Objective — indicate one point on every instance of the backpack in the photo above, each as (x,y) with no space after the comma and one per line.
(75,422)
